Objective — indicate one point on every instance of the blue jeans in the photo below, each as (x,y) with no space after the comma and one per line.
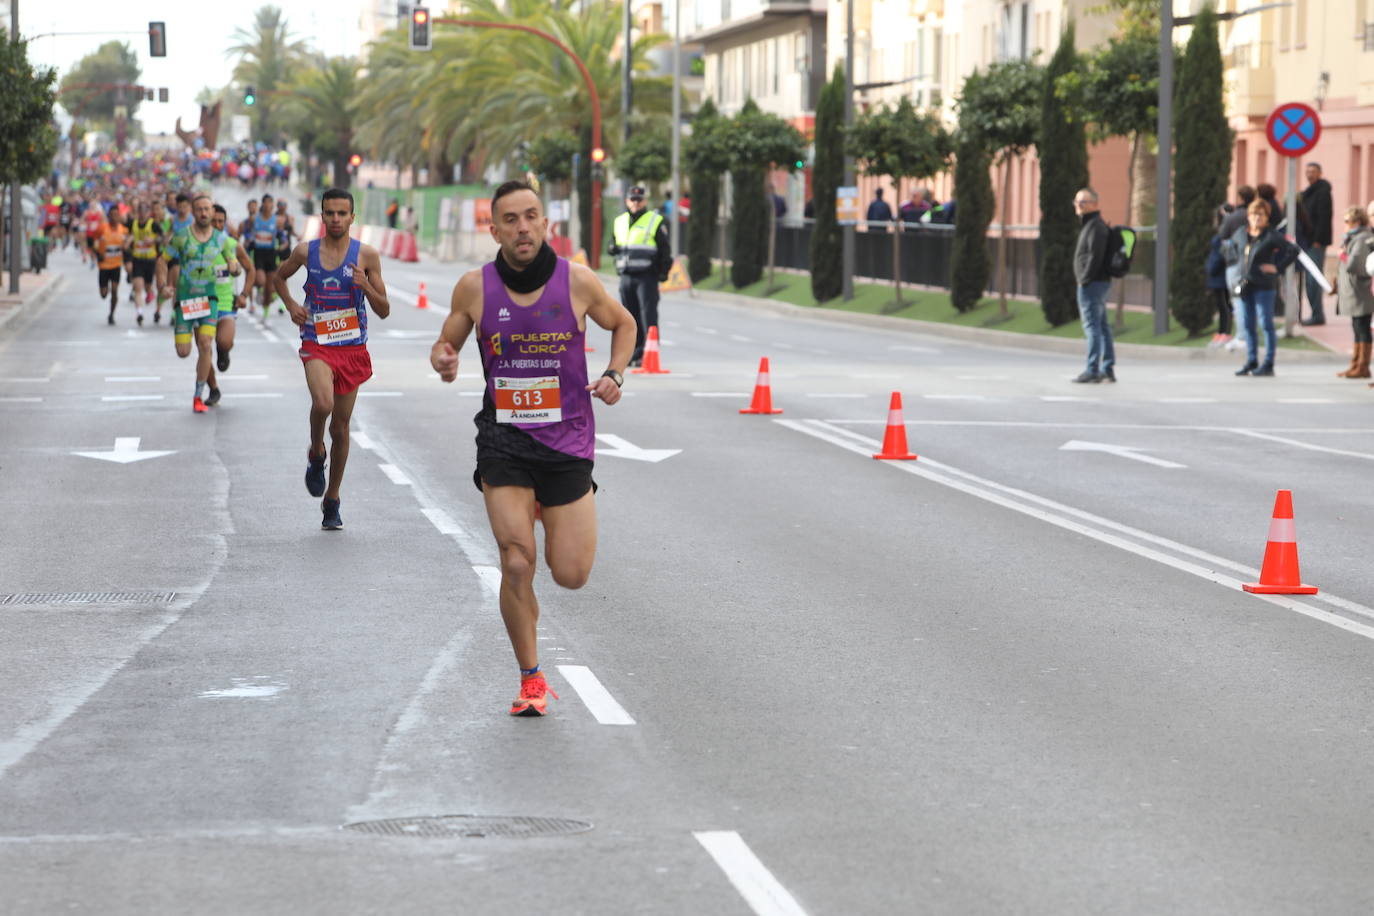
(1092,308)
(1261,301)
(1314,290)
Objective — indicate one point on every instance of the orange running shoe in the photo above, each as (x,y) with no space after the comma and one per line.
(532,700)
(199,406)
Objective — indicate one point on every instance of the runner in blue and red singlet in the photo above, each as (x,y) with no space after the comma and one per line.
(536,435)
(343,277)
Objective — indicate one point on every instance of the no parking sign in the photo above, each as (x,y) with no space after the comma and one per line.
(1293,129)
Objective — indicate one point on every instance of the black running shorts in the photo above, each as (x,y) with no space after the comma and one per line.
(110,276)
(554,484)
(145,269)
(264,259)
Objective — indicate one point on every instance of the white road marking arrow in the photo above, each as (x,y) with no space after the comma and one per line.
(619,448)
(1123,451)
(125,452)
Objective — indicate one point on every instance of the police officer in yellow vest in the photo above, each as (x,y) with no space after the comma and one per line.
(643,257)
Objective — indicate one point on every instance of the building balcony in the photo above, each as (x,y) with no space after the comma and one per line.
(756,14)
(1250,79)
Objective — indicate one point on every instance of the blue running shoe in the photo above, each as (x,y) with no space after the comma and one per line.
(314,474)
(332,521)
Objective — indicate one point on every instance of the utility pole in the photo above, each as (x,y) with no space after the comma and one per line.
(16,191)
(847,243)
(1164,130)
(674,221)
(626,89)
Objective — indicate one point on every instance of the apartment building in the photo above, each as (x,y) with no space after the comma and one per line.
(1320,52)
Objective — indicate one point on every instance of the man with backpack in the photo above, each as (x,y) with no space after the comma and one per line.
(1091,269)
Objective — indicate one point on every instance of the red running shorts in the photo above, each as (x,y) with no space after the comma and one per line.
(351,363)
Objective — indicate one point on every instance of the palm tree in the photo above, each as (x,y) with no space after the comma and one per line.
(321,103)
(267,55)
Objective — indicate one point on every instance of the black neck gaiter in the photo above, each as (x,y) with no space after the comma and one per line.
(532,277)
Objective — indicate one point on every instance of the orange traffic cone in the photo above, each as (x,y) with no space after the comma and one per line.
(651,364)
(423,301)
(1279,575)
(894,439)
(763,392)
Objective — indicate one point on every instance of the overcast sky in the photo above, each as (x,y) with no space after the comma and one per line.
(198,33)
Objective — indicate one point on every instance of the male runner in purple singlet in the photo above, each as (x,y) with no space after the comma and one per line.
(535,433)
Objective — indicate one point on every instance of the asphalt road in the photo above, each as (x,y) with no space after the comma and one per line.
(1009,677)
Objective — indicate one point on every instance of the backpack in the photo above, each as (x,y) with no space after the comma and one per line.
(1120,250)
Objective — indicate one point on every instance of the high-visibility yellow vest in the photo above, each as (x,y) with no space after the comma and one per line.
(638,253)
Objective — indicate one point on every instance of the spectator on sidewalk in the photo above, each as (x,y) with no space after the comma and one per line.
(1262,254)
(1316,203)
(393,211)
(878,210)
(1354,297)
(1236,218)
(915,208)
(1094,283)
(1216,282)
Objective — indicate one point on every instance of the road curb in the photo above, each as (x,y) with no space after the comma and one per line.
(986,336)
(49,290)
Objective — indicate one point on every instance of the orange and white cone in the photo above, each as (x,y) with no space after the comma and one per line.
(1279,575)
(763,392)
(423,301)
(651,364)
(894,439)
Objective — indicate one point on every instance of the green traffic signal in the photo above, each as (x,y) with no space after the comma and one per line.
(249,96)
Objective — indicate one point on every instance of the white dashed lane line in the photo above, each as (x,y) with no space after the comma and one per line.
(594,695)
(753,880)
(133,378)
(132,397)
(21,400)
(395,475)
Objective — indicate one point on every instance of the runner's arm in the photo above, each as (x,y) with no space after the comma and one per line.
(369,280)
(612,316)
(466,300)
(279,276)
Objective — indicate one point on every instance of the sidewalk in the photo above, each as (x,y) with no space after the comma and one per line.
(34,289)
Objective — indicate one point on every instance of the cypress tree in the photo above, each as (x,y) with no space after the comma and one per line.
(1202,151)
(704,157)
(748,226)
(827,256)
(1063,152)
(974,201)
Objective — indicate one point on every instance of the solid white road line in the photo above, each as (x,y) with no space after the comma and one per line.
(1067,398)
(391,471)
(133,378)
(755,883)
(26,400)
(955,397)
(132,397)
(380,394)
(991,491)
(839,395)
(1186,400)
(42,381)
(720,394)
(1307,445)
(240,395)
(595,696)
(1306,401)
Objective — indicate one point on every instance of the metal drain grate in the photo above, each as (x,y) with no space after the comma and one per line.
(475,826)
(89,598)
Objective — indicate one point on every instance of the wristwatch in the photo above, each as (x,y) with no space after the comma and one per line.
(615,377)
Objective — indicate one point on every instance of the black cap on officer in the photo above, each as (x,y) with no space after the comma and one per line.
(637,192)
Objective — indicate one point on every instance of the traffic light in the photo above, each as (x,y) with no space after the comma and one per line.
(250,98)
(157,39)
(801,164)
(420,39)
(355,160)
(598,155)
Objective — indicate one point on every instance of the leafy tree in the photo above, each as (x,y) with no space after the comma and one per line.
(827,257)
(706,157)
(969,267)
(550,156)
(1063,153)
(28,140)
(648,156)
(268,57)
(757,141)
(1001,106)
(87,89)
(1203,145)
(902,144)
(321,103)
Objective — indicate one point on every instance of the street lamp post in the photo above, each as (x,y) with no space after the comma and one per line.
(674,225)
(16,192)
(847,237)
(593,256)
(1164,129)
